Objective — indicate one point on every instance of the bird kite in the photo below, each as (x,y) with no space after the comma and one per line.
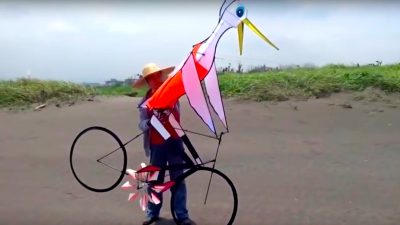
(199,66)
(196,71)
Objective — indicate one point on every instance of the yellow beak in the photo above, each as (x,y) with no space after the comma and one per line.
(255,30)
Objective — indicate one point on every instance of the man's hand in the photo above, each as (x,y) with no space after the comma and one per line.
(164,117)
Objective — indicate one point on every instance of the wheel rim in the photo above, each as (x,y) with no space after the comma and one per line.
(216,173)
(122,148)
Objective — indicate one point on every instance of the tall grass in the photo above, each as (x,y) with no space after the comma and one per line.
(27,91)
(272,85)
(309,82)
(120,90)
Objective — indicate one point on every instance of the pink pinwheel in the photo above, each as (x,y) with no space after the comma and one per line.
(143,185)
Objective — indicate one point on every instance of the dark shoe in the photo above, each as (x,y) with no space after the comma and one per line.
(151,220)
(187,221)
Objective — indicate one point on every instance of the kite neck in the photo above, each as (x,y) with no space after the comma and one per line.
(221,28)
(210,45)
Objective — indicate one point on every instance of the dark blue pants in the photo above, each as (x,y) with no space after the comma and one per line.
(171,152)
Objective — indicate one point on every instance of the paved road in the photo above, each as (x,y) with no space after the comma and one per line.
(318,165)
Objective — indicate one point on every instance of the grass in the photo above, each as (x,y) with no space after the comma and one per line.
(266,86)
(23,92)
(120,90)
(306,82)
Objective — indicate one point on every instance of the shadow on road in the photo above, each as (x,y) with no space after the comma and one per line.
(164,221)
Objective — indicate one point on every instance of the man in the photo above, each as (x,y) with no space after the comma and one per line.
(159,150)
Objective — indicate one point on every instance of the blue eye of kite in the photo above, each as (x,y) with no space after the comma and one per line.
(240,11)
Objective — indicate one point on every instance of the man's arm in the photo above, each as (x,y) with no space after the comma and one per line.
(143,120)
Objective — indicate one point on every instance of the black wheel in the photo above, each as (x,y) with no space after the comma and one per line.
(98,159)
(218,206)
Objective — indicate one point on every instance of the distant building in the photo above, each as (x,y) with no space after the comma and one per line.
(129,81)
(114,82)
(86,84)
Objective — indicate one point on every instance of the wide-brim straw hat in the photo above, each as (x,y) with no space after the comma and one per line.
(151,69)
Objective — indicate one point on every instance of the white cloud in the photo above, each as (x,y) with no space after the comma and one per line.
(103,40)
(118,26)
(124,27)
(61,26)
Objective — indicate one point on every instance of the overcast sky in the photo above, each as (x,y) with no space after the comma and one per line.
(86,41)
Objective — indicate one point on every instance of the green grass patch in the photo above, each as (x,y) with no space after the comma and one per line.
(274,85)
(306,82)
(120,90)
(27,91)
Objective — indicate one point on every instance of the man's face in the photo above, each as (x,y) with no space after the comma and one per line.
(154,81)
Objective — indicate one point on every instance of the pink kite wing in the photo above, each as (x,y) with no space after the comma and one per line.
(153,176)
(194,92)
(155,199)
(214,94)
(143,202)
(133,197)
(132,173)
(157,188)
(150,172)
(163,187)
(149,168)
(128,186)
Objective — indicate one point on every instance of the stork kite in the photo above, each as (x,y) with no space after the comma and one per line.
(199,66)
(187,78)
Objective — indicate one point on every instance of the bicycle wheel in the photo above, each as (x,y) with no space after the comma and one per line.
(98,159)
(218,206)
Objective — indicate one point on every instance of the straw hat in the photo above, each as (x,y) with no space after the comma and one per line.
(150,69)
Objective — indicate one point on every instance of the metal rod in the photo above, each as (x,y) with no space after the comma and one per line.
(111,167)
(197,133)
(215,161)
(216,153)
(119,147)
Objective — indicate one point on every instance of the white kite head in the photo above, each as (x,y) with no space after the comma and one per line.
(235,14)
